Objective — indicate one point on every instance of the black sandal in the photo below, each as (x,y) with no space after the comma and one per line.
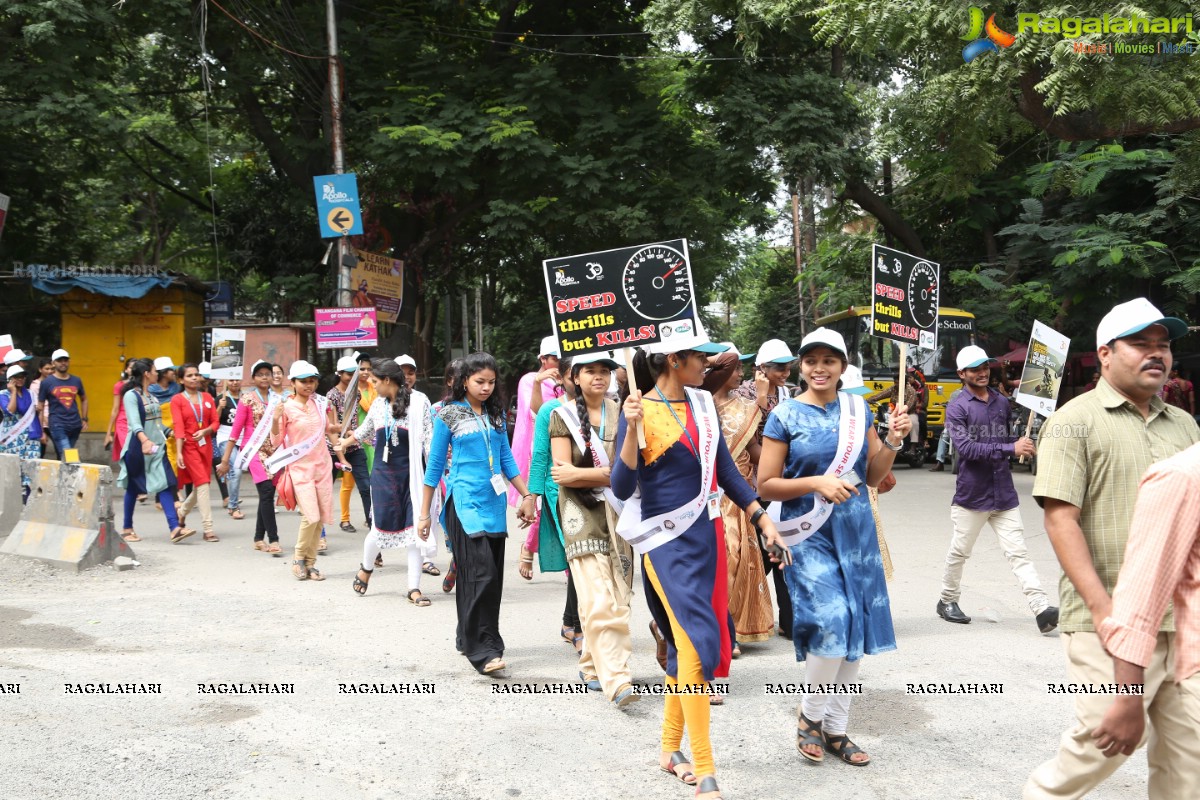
(810,733)
(708,785)
(379,560)
(420,599)
(360,586)
(429,568)
(841,746)
(677,759)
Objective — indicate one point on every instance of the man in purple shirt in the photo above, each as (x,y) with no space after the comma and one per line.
(978,423)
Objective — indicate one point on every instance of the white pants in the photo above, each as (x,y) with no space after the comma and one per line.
(1009,530)
(371,550)
(832,710)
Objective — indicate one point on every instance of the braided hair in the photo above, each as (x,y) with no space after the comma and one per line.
(588,498)
(387,369)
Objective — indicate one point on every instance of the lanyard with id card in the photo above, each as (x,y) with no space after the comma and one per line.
(498,484)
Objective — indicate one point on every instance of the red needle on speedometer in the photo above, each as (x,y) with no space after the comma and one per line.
(672,269)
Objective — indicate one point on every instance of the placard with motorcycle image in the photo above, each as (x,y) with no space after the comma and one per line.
(628,296)
(905,290)
(1045,361)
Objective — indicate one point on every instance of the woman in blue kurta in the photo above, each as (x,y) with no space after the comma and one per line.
(675,524)
(145,469)
(818,450)
(471,427)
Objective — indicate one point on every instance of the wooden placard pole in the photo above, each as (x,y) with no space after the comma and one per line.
(627,355)
(901,380)
(1028,431)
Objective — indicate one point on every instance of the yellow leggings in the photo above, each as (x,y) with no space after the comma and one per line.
(347,491)
(690,709)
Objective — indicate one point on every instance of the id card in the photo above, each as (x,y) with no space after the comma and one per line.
(201,441)
(714,506)
(498,484)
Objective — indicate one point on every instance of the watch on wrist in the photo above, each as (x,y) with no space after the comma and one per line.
(756,516)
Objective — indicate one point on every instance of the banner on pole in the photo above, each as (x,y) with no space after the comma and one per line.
(1045,361)
(228,356)
(905,295)
(378,282)
(346,327)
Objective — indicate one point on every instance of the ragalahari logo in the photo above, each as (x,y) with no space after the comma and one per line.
(985,37)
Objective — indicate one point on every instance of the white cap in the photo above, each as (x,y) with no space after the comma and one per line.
(1127,319)
(549,347)
(972,356)
(852,381)
(59,353)
(406,361)
(15,370)
(823,337)
(254,366)
(347,364)
(205,368)
(302,369)
(618,357)
(683,334)
(15,355)
(774,351)
(594,358)
(163,363)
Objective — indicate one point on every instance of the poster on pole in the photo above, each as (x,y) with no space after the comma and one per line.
(346,327)
(619,298)
(1045,361)
(905,293)
(228,355)
(378,282)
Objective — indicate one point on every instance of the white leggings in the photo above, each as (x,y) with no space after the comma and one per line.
(371,549)
(832,710)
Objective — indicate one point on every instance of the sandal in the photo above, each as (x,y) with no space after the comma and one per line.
(348,528)
(716,698)
(429,568)
(708,786)
(420,599)
(180,533)
(379,560)
(451,577)
(840,745)
(495,668)
(578,642)
(314,574)
(677,760)
(737,650)
(810,734)
(300,570)
(525,564)
(211,537)
(323,546)
(360,586)
(236,513)
(129,536)
(275,549)
(567,633)
(260,545)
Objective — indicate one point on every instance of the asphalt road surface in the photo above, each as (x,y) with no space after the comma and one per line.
(199,613)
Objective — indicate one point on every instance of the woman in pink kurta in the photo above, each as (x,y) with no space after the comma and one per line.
(300,430)
(251,407)
(548,382)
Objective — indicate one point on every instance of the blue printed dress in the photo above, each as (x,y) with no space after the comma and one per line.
(836,582)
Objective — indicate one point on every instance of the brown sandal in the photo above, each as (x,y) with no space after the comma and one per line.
(236,513)
(181,533)
(677,760)
(129,536)
(211,537)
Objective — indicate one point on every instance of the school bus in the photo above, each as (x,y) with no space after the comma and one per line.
(879,358)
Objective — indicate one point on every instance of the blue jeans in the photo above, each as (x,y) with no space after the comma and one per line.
(64,440)
(943,446)
(233,479)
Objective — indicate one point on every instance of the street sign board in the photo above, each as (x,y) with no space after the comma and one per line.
(346,327)
(338,209)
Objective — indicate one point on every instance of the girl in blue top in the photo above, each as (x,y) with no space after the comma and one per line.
(817,451)
(474,517)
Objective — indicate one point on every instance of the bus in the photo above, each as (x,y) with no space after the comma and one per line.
(879,358)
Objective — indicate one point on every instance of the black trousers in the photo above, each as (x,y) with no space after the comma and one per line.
(781,592)
(265,522)
(571,609)
(357,459)
(480,562)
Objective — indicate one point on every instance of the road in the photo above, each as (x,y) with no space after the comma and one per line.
(203,613)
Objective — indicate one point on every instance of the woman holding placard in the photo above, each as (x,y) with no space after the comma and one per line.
(672,518)
(471,428)
(818,450)
(252,431)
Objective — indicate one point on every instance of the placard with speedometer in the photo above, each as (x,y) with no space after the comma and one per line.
(905,295)
(627,296)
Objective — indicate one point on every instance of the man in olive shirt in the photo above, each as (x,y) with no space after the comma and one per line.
(1091,455)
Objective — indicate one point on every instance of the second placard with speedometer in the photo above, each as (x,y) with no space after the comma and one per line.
(657,283)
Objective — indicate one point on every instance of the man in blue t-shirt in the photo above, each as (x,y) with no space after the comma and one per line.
(62,393)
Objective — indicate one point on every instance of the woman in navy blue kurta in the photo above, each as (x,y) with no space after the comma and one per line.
(684,573)
(836,582)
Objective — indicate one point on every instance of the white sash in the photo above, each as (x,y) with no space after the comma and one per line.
(599,454)
(646,534)
(289,454)
(22,424)
(851,435)
(260,432)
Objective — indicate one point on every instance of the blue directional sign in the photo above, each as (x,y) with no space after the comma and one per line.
(338,210)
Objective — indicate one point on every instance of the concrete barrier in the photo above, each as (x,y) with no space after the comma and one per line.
(68,521)
(10,493)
